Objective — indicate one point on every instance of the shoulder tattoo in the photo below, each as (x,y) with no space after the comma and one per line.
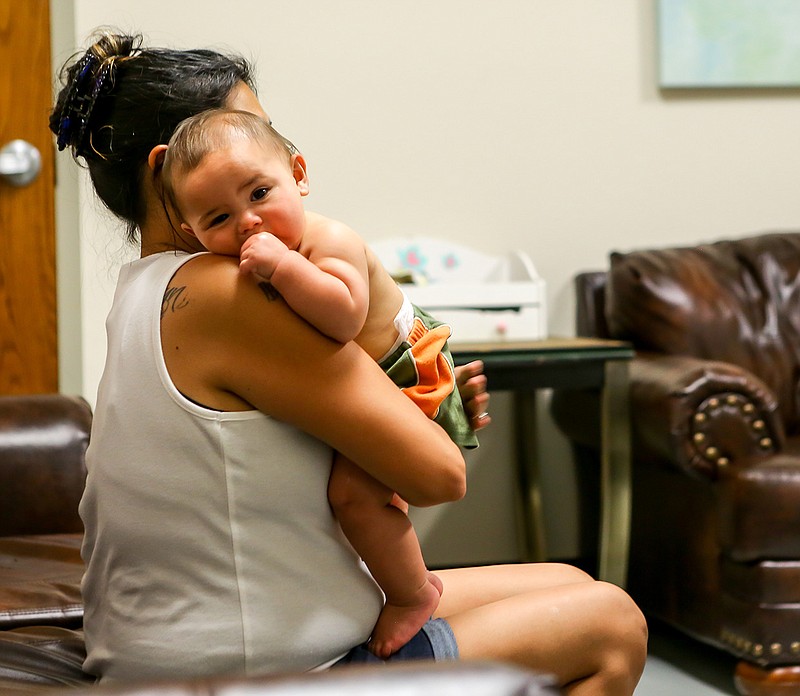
(174,299)
(269,291)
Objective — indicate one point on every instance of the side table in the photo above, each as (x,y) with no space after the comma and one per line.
(525,366)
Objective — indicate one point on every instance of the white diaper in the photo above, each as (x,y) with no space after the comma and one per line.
(403,323)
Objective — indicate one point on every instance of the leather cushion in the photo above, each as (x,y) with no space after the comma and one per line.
(765,582)
(759,509)
(41,580)
(36,657)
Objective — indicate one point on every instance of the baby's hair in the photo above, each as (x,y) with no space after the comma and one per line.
(213,130)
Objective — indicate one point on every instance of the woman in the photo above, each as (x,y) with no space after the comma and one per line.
(209,544)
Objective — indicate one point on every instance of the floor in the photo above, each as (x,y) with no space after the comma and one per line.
(679,666)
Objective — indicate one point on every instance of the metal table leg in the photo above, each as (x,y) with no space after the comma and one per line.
(615,486)
(530,517)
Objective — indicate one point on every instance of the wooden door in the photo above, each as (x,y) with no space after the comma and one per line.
(28,327)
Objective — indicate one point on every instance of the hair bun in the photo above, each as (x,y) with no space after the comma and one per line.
(111,47)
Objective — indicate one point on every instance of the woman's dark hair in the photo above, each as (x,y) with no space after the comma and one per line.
(120,100)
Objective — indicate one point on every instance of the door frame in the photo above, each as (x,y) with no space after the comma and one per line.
(69,283)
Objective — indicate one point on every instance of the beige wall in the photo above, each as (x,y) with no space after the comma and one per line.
(532,124)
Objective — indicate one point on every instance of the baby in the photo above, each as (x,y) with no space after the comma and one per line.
(237,186)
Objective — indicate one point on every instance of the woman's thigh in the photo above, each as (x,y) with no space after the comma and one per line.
(468,588)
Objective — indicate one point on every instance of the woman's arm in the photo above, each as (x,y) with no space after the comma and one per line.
(229,343)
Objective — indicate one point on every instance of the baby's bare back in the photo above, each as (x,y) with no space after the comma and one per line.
(385,299)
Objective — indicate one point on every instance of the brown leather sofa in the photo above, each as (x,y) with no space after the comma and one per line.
(715,409)
(43,440)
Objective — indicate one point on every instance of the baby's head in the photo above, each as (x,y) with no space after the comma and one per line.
(228,174)
(211,131)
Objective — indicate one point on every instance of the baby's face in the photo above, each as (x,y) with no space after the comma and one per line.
(239,191)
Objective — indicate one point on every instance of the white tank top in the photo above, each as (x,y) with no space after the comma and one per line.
(210,546)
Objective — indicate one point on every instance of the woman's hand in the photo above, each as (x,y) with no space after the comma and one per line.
(471,383)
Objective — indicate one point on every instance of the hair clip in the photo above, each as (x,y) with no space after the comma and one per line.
(78,104)
(87,103)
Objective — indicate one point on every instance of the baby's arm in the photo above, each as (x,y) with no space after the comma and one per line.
(330,291)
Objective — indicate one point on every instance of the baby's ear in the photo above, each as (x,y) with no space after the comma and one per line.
(188,229)
(300,173)
(155,160)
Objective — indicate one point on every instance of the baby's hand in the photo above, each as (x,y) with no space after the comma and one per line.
(261,254)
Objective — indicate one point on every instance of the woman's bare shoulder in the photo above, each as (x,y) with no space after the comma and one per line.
(215,280)
(210,299)
(202,266)
(219,328)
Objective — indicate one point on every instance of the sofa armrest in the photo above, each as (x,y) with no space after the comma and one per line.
(701,415)
(43,439)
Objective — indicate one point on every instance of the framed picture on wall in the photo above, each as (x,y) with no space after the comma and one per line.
(729,43)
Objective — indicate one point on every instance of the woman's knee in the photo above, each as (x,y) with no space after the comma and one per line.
(620,639)
(625,624)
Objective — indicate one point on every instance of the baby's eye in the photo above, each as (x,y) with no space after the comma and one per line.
(260,193)
(218,220)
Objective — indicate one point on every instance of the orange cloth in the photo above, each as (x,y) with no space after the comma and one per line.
(435,376)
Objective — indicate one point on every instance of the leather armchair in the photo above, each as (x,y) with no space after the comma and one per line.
(715,409)
(43,440)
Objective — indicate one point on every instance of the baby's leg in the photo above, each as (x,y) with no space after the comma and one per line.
(383,536)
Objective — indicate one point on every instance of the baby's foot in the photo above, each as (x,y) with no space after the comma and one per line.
(398,624)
